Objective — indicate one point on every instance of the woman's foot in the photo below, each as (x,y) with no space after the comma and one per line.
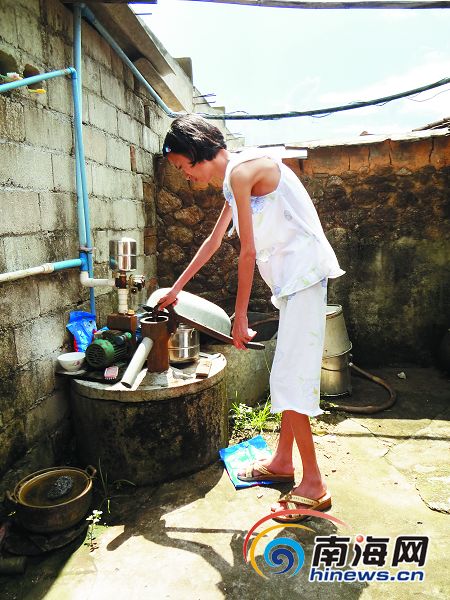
(268,469)
(312,491)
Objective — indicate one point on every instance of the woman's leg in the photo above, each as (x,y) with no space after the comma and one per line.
(312,485)
(280,462)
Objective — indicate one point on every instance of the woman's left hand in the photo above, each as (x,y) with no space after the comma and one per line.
(241,332)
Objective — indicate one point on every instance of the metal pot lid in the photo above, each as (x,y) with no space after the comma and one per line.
(195,308)
(40,489)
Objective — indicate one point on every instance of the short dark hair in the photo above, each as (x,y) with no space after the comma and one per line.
(194,137)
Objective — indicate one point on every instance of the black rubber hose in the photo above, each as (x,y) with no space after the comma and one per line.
(372,408)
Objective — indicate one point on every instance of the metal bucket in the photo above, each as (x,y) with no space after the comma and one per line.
(335,376)
(336,336)
(335,373)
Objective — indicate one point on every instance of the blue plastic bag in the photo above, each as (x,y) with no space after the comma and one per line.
(82,326)
(237,457)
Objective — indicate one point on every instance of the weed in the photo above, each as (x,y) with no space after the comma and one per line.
(116,485)
(94,519)
(249,421)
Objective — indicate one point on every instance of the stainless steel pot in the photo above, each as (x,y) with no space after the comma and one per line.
(184,345)
(38,511)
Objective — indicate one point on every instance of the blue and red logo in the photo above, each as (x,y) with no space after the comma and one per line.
(282,555)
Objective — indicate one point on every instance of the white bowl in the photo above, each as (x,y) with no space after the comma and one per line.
(71,361)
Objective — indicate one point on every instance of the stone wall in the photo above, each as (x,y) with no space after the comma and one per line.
(122,130)
(384,206)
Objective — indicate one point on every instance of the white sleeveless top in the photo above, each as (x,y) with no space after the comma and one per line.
(292,252)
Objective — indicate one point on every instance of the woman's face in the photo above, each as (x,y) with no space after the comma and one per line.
(200,172)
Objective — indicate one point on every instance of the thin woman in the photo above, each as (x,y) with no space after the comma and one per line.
(279,229)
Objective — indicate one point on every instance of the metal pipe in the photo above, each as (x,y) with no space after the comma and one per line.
(111,41)
(137,362)
(40,270)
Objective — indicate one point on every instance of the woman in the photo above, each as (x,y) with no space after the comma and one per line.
(278,227)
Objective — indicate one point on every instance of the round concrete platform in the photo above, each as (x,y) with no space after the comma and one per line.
(171,425)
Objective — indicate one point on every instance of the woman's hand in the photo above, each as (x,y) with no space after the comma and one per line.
(241,332)
(169,298)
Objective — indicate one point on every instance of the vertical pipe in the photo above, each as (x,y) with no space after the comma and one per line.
(77,65)
(79,152)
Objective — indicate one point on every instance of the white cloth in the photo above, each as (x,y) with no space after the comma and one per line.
(292,252)
(295,374)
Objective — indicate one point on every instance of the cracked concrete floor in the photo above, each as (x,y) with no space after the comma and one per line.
(388,474)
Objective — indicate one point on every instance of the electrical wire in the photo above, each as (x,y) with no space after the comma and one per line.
(239,116)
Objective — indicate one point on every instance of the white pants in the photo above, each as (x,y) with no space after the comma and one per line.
(295,376)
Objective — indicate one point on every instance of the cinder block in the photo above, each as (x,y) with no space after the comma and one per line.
(117,153)
(95,46)
(19,211)
(8,31)
(105,181)
(134,106)
(12,124)
(18,298)
(144,162)
(138,188)
(59,95)
(39,338)
(100,212)
(24,251)
(112,89)
(94,144)
(90,75)
(26,167)
(58,211)
(151,141)
(12,444)
(58,53)
(29,32)
(63,173)
(101,238)
(48,129)
(124,214)
(58,290)
(102,114)
(31,5)
(129,129)
(44,418)
(58,17)
(36,380)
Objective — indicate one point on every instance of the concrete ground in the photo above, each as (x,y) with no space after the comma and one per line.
(388,474)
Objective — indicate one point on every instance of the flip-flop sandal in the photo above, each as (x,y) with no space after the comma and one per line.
(265,475)
(292,502)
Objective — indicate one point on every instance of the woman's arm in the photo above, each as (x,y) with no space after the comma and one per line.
(242,181)
(207,249)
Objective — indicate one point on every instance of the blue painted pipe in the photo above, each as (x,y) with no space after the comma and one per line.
(12,85)
(82,195)
(67,264)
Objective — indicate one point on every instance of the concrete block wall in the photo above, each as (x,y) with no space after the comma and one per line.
(123,130)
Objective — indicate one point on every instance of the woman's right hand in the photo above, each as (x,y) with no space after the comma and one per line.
(169,298)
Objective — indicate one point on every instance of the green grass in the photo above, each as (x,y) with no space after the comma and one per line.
(248,421)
